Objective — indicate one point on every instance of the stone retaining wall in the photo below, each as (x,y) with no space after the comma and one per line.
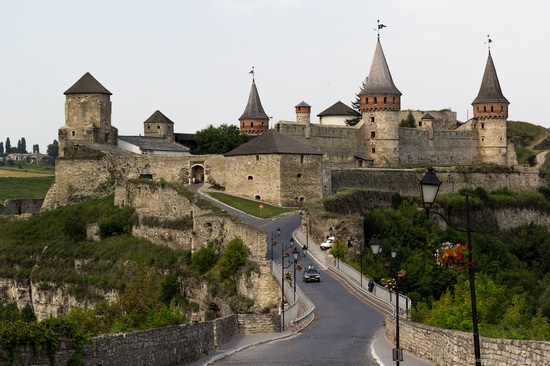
(450,347)
(20,206)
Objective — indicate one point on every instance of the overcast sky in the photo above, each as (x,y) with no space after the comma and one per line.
(191,59)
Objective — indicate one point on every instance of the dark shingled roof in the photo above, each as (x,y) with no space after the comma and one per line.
(427,116)
(380,80)
(254,109)
(273,142)
(154,143)
(87,84)
(158,117)
(339,109)
(490,92)
(302,104)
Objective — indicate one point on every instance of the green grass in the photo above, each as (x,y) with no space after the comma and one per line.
(251,207)
(29,168)
(33,187)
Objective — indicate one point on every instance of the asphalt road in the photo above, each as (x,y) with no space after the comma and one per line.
(344,325)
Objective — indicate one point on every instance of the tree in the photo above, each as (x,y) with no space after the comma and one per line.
(8,146)
(35,149)
(409,121)
(53,149)
(219,140)
(1,148)
(356,104)
(22,146)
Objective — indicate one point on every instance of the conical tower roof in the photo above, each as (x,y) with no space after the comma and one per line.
(273,142)
(87,84)
(380,80)
(254,109)
(490,91)
(158,117)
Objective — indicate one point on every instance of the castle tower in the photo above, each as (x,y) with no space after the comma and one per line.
(87,114)
(158,125)
(380,103)
(303,113)
(491,112)
(254,120)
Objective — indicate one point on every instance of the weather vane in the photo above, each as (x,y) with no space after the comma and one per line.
(380,26)
(488,43)
(252,72)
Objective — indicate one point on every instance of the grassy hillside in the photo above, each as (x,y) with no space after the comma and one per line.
(524,135)
(25,181)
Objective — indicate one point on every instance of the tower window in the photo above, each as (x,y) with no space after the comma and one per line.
(482,125)
(301,159)
(250,177)
(393,100)
(158,127)
(257,197)
(251,124)
(484,108)
(372,134)
(419,123)
(373,150)
(299,175)
(375,100)
(372,119)
(385,100)
(73,133)
(257,157)
(491,108)
(501,108)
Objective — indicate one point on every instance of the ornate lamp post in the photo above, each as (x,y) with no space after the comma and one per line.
(296,255)
(273,242)
(376,247)
(429,187)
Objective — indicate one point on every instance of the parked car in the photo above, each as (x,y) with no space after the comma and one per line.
(311,275)
(327,244)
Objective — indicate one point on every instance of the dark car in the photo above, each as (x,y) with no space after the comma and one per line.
(311,275)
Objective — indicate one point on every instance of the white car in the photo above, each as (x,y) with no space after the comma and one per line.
(327,244)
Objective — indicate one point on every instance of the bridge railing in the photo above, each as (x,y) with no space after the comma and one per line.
(380,296)
(291,314)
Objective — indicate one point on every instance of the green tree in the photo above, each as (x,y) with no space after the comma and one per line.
(219,140)
(204,258)
(356,104)
(8,146)
(53,149)
(409,121)
(22,146)
(1,148)
(35,149)
(233,257)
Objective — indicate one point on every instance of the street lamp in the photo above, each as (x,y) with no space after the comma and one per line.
(295,255)
(273,242)
(429,185)
(376,247)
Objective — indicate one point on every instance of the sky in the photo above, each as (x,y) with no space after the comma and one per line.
(191,59)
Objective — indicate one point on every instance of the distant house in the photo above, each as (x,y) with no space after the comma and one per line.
(29,158)
(151,146)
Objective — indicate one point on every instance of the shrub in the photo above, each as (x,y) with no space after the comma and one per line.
(204,258)
(233,257)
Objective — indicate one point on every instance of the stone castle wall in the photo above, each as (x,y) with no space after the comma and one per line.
(427,146)
(20,206)
(451,347)
(406,181)
(78,180)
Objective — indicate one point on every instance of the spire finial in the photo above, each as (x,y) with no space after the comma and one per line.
(488,43)
(252,72)
(380,26)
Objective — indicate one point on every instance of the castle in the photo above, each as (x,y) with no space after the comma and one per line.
(437,138)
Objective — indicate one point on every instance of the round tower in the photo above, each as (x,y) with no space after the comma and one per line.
(490,112)
(380,103)
(87,114)
(303,113)
(254,120)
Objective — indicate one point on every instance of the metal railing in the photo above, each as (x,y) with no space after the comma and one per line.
(380,296)
(292,317)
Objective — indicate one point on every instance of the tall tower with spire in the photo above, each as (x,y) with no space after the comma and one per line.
(380,102)
(491,112)
(254,120)
(87,114)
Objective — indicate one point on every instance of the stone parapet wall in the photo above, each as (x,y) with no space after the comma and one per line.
(174,345)
(258,323)
(405,181)
(449,347)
